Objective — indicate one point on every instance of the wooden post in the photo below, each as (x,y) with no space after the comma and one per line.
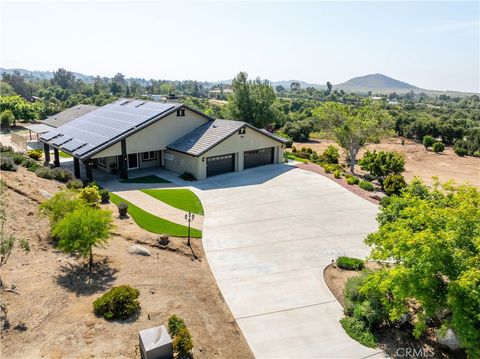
(46,151)
(56,157)
(76,167)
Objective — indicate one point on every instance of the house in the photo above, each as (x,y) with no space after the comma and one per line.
(130,134)
(68,115)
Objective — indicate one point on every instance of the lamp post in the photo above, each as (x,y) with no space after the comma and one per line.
(189,217)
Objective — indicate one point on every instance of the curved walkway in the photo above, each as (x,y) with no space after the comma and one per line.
(268,234)
(159,208)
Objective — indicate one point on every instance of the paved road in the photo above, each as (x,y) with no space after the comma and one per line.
(268,234)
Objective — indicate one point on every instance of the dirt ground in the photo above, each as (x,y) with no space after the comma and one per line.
(420,162)
(392,338)
(52,316)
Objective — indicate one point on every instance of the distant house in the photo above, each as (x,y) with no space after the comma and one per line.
(131,134)
(217,92)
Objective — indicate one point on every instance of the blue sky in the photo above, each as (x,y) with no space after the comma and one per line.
(433,45)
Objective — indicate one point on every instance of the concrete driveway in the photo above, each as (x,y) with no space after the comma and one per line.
(268,234)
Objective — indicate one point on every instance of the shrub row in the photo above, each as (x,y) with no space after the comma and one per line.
(59,174)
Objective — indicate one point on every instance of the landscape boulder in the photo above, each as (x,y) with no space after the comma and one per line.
(448,338)
(377,195)
(137,249)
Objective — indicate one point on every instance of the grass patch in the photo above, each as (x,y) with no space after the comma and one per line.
(357,330)
(291,156)
(64,155)
(350,263)
(145,179)
(183,199)
(153,223)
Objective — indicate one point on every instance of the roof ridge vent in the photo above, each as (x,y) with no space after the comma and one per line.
(141,104)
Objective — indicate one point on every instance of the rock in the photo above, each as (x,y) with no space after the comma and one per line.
(137,249)
(45,194)
(448,338)
(378,195)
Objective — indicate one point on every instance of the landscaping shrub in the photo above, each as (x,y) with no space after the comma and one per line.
(35,154)
(61,204)
(175,323)
(90,195)
(350,263)
(30,164)
(380,164)
(182,343)
(367,186)
(353,180)
(118,303)
(62,175)
(393,184)
(122,210)
(309,150)
(19,158)
(337,173)
(358,331)
(74,184)
(460,151)
(6,118)
(5,148)
(303,155)
(428,141)
(7,164)
(187,176)
(105,196)
(331,154)
(438,147)
(44,172)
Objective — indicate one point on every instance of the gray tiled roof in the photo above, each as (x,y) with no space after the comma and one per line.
(206,136)
(68,115)
(203,138)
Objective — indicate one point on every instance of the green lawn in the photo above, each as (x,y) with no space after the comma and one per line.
(153,223)
(291,156)
(146,179)
(183,199)
(61,154)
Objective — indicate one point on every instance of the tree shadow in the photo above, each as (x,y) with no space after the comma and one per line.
(77,279)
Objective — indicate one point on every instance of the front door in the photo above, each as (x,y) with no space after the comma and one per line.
(132,161)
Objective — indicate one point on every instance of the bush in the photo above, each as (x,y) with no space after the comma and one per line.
(187,176)
(393,184)
(6,118)
(18,158)
(7,164)
(460,151)
(303,155)
(337,173)
(428,141)
(367,186)
(62,175)
(61,204)
(353,180)
(122,210)
(438,147)
(74,184)
(182,343)
(358,331)
(90,195)
(118,303)
(298,131)
(105,196)
(350,263)
(175,323)
(35,154)
(44,172)
(382,163)
(30,164)
(331,154)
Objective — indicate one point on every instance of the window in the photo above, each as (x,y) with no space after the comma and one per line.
(149,156)
(102,161)
(181,112)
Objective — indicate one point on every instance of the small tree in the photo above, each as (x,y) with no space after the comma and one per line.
(428,141)
(61,204)
(83,229)
(382,164)
(331,154)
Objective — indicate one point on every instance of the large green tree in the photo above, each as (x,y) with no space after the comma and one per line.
(252,101)
(433,236)
(353,127)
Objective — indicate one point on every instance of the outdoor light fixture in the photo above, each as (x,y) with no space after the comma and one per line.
(189,217)
(203,159)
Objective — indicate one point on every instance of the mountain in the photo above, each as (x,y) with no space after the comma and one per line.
(376,83)
(44,75)
(303,84)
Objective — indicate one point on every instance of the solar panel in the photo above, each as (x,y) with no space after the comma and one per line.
(60,140)
(49,135)
(72,145)
(105,124)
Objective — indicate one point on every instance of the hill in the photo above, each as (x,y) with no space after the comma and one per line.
(375,83)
